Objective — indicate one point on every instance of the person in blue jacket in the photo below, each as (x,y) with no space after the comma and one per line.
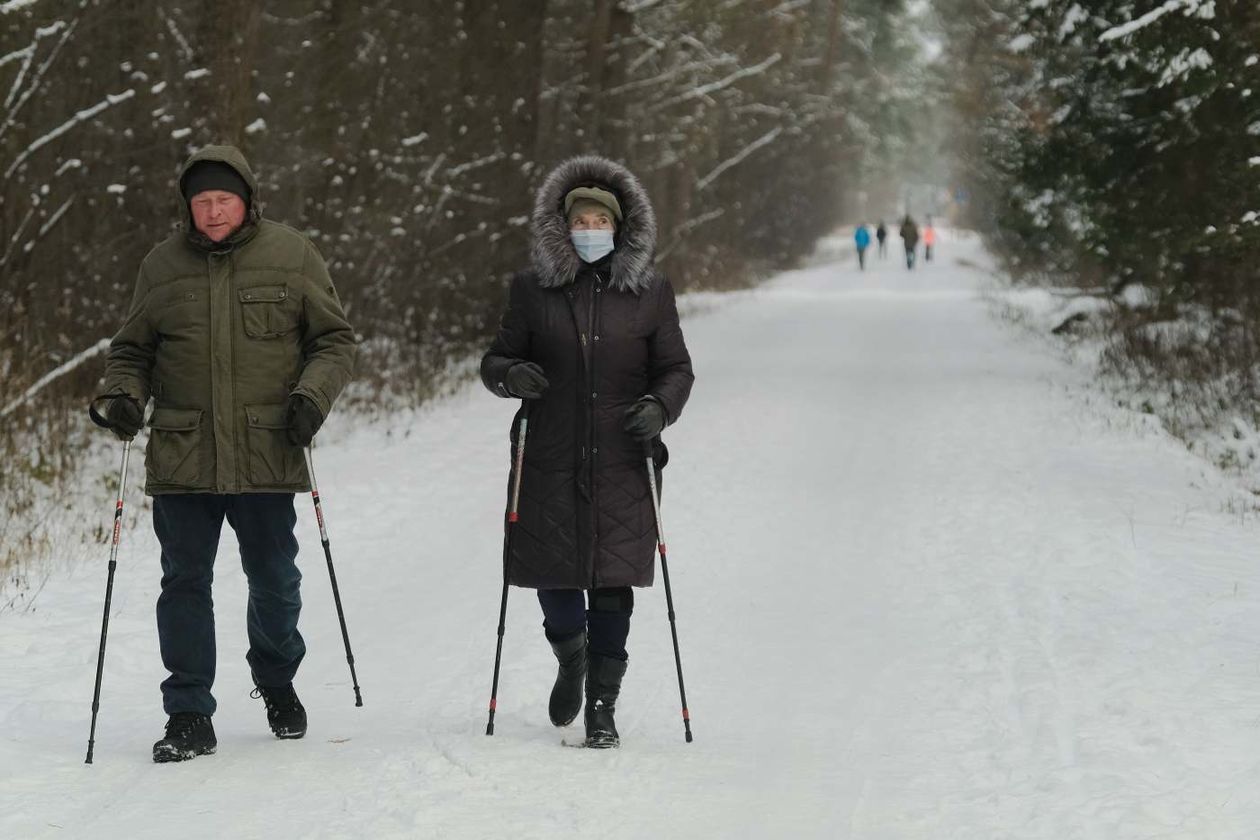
(862,238)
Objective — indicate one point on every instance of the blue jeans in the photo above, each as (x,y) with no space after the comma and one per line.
(607,622)
(188,528)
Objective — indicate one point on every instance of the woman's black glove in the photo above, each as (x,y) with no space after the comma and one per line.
(526,380)
(125,417)
(645,419)
(303,419)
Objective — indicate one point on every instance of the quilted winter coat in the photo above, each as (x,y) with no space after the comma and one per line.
(605,335)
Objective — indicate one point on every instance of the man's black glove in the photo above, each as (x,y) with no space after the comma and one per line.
(125,417)
(303,419)
(645,419)
(526,380)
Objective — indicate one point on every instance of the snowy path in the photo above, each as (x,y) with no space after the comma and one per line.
(928,587)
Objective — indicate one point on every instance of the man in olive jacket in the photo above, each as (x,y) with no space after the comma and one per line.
(236,333)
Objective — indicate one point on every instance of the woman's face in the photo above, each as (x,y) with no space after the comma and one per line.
(591,220)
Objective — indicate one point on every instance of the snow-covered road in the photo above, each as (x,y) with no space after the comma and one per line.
(929,585)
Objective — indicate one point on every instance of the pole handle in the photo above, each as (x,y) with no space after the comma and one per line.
(519,463)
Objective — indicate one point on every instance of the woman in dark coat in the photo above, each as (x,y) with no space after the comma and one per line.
(591,342)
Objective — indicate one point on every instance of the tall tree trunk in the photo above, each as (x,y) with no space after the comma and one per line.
(832,53)
(605,69)
(230,53)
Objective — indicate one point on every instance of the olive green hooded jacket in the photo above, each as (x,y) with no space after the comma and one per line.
(219,335)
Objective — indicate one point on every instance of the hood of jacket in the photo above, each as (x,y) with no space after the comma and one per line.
(553,257)
(233,157)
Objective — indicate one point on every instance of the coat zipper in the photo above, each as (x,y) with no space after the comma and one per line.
(593,327)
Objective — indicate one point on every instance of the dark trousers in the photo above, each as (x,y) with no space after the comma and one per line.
(606,621)
(862,258)
(188,528)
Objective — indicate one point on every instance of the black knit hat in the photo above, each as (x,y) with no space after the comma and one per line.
(213,175)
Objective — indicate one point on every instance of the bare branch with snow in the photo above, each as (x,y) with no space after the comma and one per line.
(766,139)
(1124,30)
(79,118)
(721,84)
(52,376)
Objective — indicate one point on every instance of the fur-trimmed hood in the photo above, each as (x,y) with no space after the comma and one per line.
(554,259)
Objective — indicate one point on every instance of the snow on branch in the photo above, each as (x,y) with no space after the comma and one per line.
(660,78)
(713,87)
(1126,29)
(669,75)
(28,52)
(631,7)
(765,139)
(15,5)
(24,52)
(17,235)
(54,218)
(15,103)
(53,375)
(680,233)
(456,171)
(721,84)
(80,117)
(786,8)
(184,46)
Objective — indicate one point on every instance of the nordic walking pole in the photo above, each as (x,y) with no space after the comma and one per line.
(513,516)
(109,593)
(332,576)
(669,595)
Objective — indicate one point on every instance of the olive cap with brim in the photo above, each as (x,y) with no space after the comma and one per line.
(601,197)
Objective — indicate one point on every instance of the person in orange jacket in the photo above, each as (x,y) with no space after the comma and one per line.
(929,240)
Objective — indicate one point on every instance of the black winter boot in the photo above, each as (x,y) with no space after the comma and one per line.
(188,735)
(603,684)
(285,713)
(566,694)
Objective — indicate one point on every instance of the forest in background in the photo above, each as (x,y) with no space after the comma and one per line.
(406,138)
(1111,149)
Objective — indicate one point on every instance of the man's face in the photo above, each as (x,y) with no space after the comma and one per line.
(591,220)
(217,213)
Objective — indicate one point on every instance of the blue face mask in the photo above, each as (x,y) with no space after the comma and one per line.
(592,245)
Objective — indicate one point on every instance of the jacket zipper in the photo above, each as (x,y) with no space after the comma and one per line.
(593,327)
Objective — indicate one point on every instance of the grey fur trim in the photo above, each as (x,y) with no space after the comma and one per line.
(554,260)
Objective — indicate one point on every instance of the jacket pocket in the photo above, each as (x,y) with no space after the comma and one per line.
(181,315)
(268,311)
(273,461)
(171,456)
